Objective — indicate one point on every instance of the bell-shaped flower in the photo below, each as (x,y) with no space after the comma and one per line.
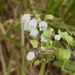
(34,33)
(43,25)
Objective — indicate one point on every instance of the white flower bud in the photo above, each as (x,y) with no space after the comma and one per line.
(43,48)
(57,37)
(43,39)
(30,56)
(34,33)
(43,25)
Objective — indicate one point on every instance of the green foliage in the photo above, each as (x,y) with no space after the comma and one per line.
(64,55)
(37,62)
(47,33)
(49,17)
(69,66)
(53,6)
(38,17)
(43,48)
(57,44)
(49,44)
(34,43)
(67,37)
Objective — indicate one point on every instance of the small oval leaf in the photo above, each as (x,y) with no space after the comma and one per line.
(34,43)
(49,17)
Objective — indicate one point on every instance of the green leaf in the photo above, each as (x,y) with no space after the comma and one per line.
(57,44)
(63,34)
(69,66)
(47,33)
(49,44)
(38,17)
(67,37)
(70,40)
(64,55)
(34,43)
(49,17)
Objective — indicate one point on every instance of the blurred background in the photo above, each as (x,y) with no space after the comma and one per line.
(10,30)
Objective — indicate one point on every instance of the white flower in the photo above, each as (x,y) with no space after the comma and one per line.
(29,23)
(43,39)
(43,25)
(26,26)
(57,37)
(30,56)
(33,23)
(34,33)
(26,17)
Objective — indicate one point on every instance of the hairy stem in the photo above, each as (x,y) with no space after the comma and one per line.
(22,51)
(42,70)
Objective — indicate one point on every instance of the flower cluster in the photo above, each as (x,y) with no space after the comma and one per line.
(53,45)
(31,24)
(48,38)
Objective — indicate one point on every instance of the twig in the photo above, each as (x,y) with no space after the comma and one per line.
(2,29)
(10,61)
(2,61)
